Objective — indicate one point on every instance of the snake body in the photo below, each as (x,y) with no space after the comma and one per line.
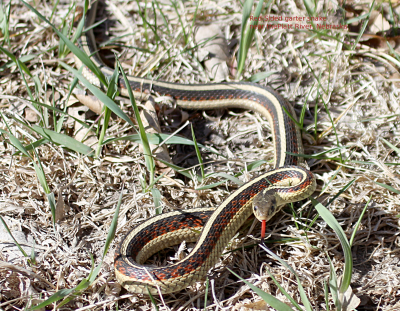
(289,182)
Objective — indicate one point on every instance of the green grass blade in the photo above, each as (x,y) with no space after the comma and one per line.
(41,175)
(333,285)
(53,204)
(303,294)
(357,19)
(112,91)
(64,140)
(157,200)
(316,155)
(283,291)
(347,186)
(206,294)
(269,299)
(23,59)
(72,86)
(159,138)
(391,146)
(54,109)
(180,21)
(99,94)
(16,143)
(390,188)
(180,170)
(16,61)
(79,28)
(310,7)
(92,277)
(333,126)
(113,226)
(316,111)
(85,59)
(21,67)
(35,144)
(303,109)
(5,21)
(54,10)
(246,11)
(153,301)
(164,18)
(364,25)
(106,119)
(198,153)
(261,76)
(291,117)
(247,32)
(228,177)
(359,221)
(33,255)
(110,237)
(326,294)
(146,146)
(332,222)
(213,185)
(77,291)
(255,164)
(53,298)
(15,241)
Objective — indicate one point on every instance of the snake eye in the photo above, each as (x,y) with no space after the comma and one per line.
(255,207)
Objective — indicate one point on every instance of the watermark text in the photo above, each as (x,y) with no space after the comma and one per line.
(295,22)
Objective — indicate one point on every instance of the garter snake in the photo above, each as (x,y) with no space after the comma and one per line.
(263,195)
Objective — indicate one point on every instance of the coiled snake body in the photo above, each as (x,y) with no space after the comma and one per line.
(264,195)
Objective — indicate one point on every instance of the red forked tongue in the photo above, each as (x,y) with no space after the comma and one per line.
(263,226)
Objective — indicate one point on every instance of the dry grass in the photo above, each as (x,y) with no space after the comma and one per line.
(87,189)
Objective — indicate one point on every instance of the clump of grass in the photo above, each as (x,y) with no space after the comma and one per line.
(66,295)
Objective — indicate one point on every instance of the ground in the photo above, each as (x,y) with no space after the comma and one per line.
(348,86)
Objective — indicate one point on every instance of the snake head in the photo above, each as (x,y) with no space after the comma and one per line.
(265,205)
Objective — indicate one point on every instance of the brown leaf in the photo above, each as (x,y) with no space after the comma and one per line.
(215,49)
(152,125)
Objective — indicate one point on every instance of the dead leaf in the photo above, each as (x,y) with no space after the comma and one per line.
(377,22)
(215,48)
(252,306)
(349,300)
(152,125)
(91,102)
(31,115)
(60,210)
(378,34)
(396,77)
(82,133)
